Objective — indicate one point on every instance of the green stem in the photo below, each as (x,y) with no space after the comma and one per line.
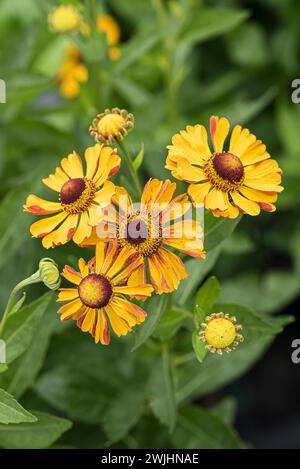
(181,359)
(133,173)
(34,278)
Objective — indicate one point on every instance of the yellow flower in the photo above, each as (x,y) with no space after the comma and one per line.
(108,25)
(240,179)
(72,73)
(114,53)
(111,126)
(99,296)
(220,334)
(149,228)
(79,197)
(65,19)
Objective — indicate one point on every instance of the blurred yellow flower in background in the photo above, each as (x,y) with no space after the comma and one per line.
(240,179)
(99,295)
(65,19)
(72,73)
(108,25)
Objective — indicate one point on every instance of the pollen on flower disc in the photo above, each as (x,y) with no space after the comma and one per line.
(72,190)
(228,167)
(95,291)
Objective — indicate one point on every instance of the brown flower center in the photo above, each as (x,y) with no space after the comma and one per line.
(136,231)
(225,171)
(95,291)
(72,190)
(77,194)
(141,232)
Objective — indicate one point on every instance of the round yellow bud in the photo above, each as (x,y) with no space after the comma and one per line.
(49,273)
(110,124)
(220,333)
(65,19)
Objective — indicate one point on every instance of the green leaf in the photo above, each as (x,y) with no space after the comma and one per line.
(217,230)
(205,430)
(18,305)
(21,327)
(138,161)
(13,224)
(198,346)
(216,371)
(3,367)
(11,411)
(225,409)
(23,371)
(135,94)
(197,270)
(139,45)
(247,46)
(162,392)
(251,286)
(81,384)
(169,324)
(206,24)
(40,434)
(118,419)
(206,298)
(155,307)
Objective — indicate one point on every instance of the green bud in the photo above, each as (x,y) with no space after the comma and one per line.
(49,273)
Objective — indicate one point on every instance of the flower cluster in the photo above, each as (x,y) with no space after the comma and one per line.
(73,72)
(137,244)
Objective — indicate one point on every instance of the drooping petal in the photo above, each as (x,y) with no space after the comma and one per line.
(42,227)
(71,275)
(215,200)
(143,290)
(39,206)
(119,325)
(247,206)
(67,294)
(198,192)
(83,229)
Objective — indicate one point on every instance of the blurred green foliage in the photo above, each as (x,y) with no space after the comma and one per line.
(181,61)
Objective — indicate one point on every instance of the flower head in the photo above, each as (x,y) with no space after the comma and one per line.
(111,126)
(65,19)
(240,179)
(220,334)
(49,273)
(158,222)
(99,296)
(108,25)
(79,197)
(72,73)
